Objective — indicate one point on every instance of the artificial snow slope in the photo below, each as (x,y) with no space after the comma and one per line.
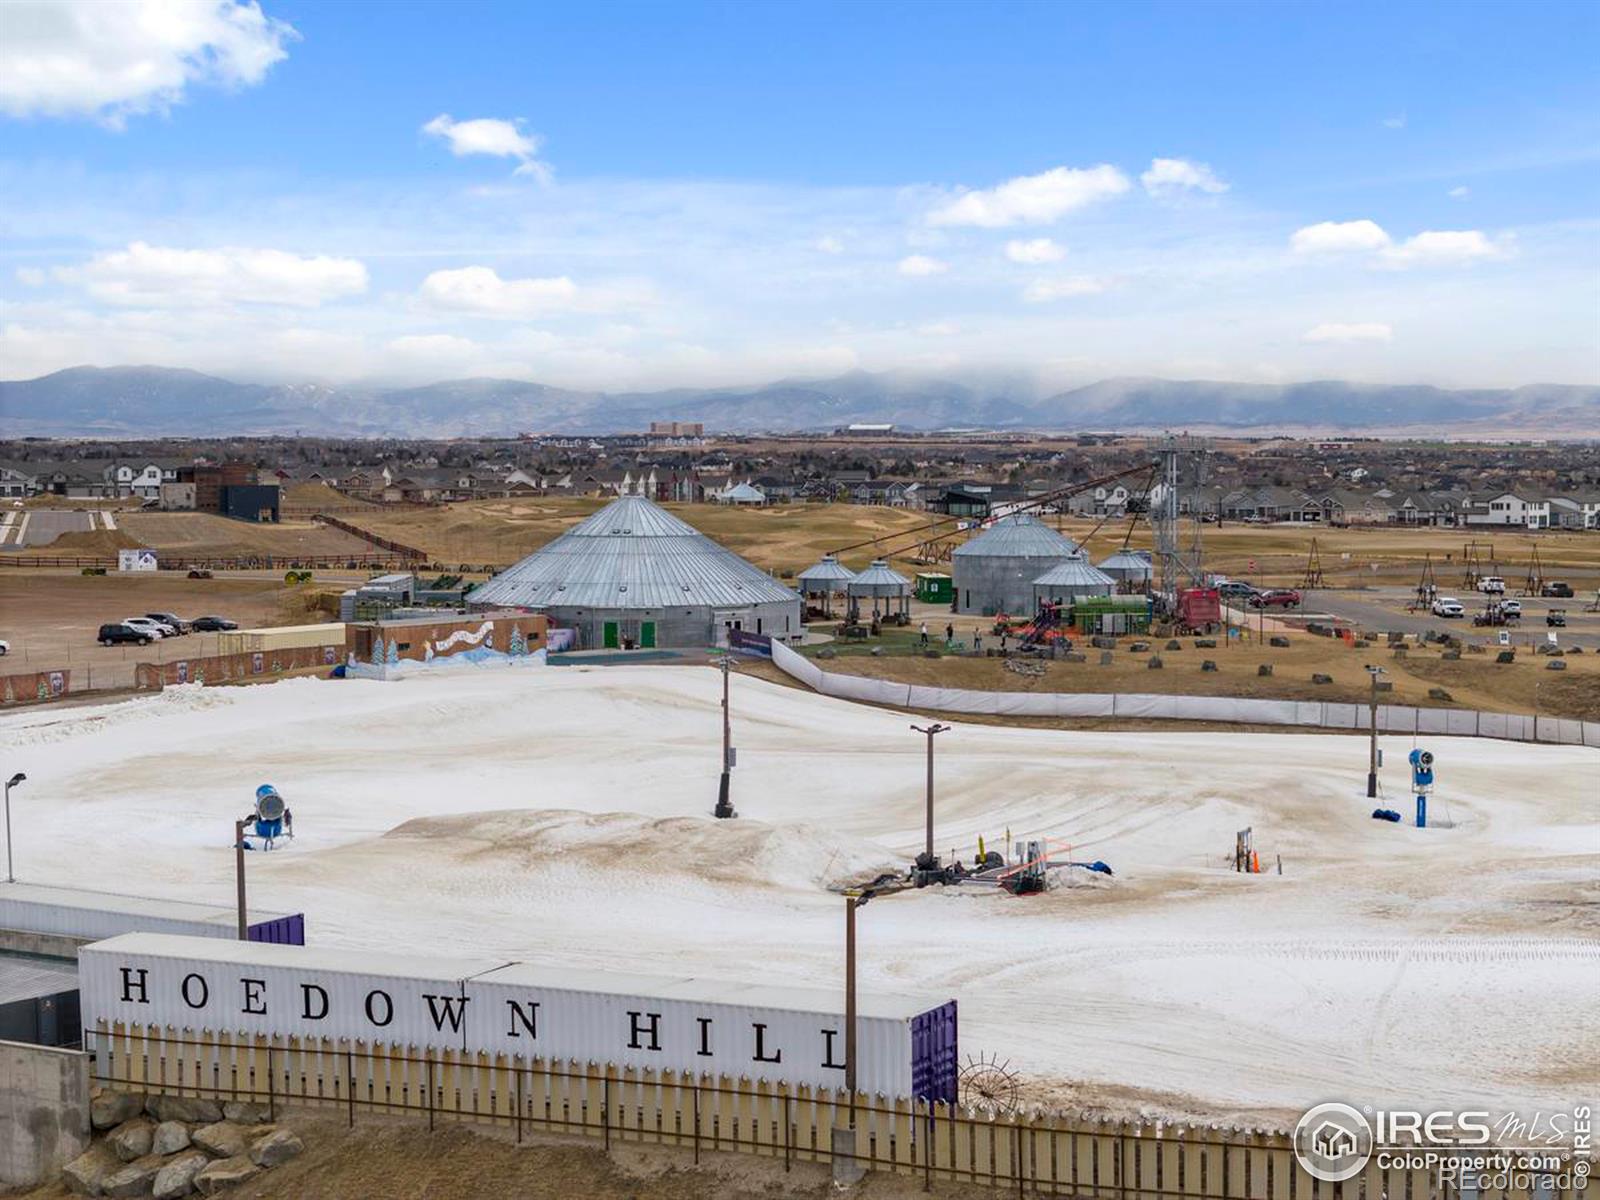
(560,815)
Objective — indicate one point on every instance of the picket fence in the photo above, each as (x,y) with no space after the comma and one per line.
(1392,718)
(1031,1154)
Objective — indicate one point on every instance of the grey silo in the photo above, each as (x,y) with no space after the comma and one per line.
(1069,581)
(1130,569)
(634,571)
(994,572)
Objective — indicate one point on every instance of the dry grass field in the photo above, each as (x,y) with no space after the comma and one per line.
(204,534)
(1475,681)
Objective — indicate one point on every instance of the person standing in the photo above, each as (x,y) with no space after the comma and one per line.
(949,634)
(924,633)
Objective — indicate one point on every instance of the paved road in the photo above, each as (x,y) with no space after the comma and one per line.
(35,527)
(1383,609)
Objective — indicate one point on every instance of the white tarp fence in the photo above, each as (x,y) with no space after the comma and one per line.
(1391,718)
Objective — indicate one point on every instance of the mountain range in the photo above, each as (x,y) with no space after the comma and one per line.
(121,402)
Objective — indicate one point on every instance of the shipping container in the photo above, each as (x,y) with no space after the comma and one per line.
(92,916)
(281,637)
(906,1046)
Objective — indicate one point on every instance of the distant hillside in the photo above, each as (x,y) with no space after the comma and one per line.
(147,401)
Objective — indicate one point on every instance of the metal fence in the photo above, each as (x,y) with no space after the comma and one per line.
(1038,1154)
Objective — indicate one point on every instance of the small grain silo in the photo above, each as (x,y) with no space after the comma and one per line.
(1130,570)
(1070,582)
(825,580)
(994,572)
(888,590)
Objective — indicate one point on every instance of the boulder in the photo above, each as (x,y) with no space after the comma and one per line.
(1437,693)
(1205,643)
(1174,644)
(931,653)
(133,1179)
(275,1148)
(827,653)
(221,1140)
(1139,647)
(191,1110)
(84,1174)
(131,1139)
(1450,655)
(1576,650)
(110,1109)
(1399,651)
(1279,641)
(1154,662)
(1506,656)
(1264,669)
(1474,648)
(177,1177)
(1073,656)
(170,1137)
(1102,642)
(1106,658)
(245,1112)
(1208,665)
(1320,678)
(1556,664)
(223,1174)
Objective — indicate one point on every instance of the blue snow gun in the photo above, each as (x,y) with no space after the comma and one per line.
(269,813)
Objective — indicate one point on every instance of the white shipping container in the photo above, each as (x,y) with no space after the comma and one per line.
(80,913)
(905,1045)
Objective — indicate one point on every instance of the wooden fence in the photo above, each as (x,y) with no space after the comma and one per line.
(400,548)
(1038,1154)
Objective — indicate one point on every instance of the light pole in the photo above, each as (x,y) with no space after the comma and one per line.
(1372,720)
(724,808)
(19,777)
(238,874)
(926,860)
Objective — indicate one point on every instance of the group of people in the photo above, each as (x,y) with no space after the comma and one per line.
(950,636)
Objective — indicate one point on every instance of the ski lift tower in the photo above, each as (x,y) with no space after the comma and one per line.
(1181,463)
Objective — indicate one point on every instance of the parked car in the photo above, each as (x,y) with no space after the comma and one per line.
(1512,609)
(198,573)
(111,635)
(5,647)
(1556,618)
(1448,606)
(1235,589)
(212,624)
(1558,589)
(1492,585)
(156,629)
(1276,598)
(177,623)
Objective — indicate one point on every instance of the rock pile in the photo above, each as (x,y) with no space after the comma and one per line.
(172,1146)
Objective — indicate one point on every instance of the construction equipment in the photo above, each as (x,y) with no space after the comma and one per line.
(1477,561)
(1427,586)
(1313,575)
(1535,579)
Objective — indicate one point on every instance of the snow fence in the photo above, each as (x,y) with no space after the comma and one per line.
(1391,718)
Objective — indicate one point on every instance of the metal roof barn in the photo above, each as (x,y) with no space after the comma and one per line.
(994,572)
(634,574)
(1071,580)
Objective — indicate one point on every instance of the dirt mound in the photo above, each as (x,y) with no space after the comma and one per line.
(86,542)
(739,851)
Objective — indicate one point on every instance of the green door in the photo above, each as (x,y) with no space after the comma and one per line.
(647,634)
(609,635)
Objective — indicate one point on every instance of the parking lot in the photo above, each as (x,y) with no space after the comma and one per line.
(1381,609)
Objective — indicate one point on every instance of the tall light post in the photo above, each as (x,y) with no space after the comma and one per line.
(724,808)
(238,875)
(19,777)
(1372,720)
(926,860)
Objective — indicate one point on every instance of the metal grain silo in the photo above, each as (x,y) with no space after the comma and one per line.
(994,572)
(1130,569)
(1070,581)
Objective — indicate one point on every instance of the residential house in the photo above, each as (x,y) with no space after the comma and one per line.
(1510,510)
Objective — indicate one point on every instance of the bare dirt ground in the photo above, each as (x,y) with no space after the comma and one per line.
(400,1160)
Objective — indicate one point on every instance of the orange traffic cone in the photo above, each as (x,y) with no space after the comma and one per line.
(1255,863)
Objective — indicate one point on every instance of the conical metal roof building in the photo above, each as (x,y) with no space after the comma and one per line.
(635,575)
(1070,580)
(1130,568)
(994,572)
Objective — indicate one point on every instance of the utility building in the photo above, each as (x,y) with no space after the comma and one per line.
(634,575)
(994,572)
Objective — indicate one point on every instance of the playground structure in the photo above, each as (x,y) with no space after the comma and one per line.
(1477,561)
(1427,587)
(1313,577)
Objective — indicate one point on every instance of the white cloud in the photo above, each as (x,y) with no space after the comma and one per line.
(1043,291)
(1033,199)
(1360,331)
(1338,237)
(829,245)
(1173,176)
(1035,251)
(493,137)
(1444,247)
(1459,193)
(1395,122)
(917,265)
(166,277)
(481,290)
(31,276)
(939,329)
(113,59)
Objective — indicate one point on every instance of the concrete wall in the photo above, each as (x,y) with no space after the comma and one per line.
(44,1111)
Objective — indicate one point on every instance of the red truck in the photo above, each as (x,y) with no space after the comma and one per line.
(1199,608)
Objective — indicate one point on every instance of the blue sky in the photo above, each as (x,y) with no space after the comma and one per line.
(644,195)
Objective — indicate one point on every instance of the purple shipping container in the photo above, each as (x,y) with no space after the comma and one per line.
(933,1054)
(281,931)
